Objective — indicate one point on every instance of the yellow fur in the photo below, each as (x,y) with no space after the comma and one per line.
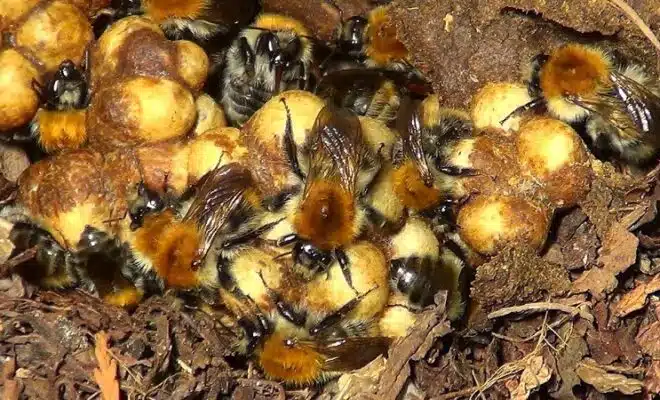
(245,268)
(382,197)
(415,239)
(277,22)
(369,270)
(59,130)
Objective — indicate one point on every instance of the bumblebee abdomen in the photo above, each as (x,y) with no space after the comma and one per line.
(413,276)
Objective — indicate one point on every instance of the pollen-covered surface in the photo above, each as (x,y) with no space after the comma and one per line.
(575,70)
(56,32)
(160,10)
(491,223)
(171,246)
(59,130)
(411,190)
(553,154)
(18,101)
(495,102)
(383,44)
(298,365)
(326,216)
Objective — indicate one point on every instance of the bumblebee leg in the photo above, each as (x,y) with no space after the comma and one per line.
(333,318)
(285,309)
(457,171)
(290,145)
(287,240)
(344,264)
(537,102)
(249,235)
(276,202)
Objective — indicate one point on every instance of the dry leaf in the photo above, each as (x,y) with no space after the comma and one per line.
(636,298)
(575,350)
(618,253)
(535,374)
(364,380)
(106,374)
(606,382)
(652,377)
(648,339)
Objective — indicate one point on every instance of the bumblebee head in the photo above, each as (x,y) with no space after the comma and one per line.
(326,215)
(351,37)
(574,70)
(411,189)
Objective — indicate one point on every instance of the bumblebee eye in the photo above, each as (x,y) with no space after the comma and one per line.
(351,39)
(293,48)
(67,69)
(268,44)
(245,51)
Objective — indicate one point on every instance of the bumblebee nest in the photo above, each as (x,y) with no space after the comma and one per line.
(573,316)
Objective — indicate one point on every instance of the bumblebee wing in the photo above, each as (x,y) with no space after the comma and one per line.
(337,149)
(350,353)
(230,15)
(219,194)
(641,105)
(409,126)
(629,106)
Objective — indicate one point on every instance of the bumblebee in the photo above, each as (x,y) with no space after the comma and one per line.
(199,20)
(327,214)
(96,264)
(370,92)
(371,40)
(183,251)
(302,332)
(424,177)
(272,55)
(60,123)
(618,101)
(420,266)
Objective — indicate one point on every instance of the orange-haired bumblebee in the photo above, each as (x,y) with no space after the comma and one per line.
(618,101)
(327,215)
(183,251)
(199,20)
(296,344)
(61,120)
(424,179)
(271,55)
(371,39)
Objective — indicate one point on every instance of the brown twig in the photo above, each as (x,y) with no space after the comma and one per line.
(7,267)
(540,307)
(459,393)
